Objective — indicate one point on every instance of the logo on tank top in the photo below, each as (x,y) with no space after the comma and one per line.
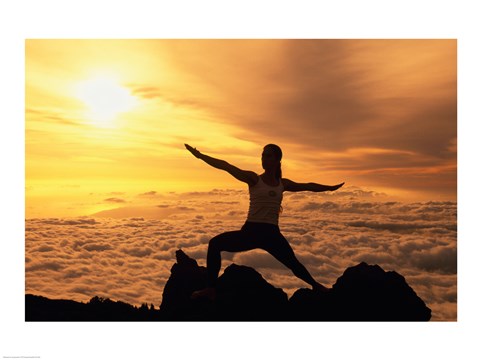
(272,193)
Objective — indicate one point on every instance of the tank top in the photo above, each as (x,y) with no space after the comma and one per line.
(265,202)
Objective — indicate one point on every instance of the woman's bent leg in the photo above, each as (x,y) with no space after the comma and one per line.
(232,241)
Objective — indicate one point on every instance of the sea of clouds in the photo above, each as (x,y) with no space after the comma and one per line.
(126,253)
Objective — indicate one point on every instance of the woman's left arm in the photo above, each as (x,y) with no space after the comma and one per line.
(290,185)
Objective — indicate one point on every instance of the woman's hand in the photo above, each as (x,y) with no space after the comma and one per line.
(336,187)
(194,151)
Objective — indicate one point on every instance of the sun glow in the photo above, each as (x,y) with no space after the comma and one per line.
(104,98)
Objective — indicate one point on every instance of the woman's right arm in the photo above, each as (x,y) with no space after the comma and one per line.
(245,176)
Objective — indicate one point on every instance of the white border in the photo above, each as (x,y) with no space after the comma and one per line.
(234,19)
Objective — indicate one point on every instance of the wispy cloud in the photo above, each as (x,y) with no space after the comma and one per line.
(148,193)
(53,116)
(114,200)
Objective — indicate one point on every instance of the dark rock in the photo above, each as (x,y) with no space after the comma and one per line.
(367,292)
(243,294)
(363,293)
(309,305)
(185,278)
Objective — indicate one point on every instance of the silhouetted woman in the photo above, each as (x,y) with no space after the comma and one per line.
(261,228)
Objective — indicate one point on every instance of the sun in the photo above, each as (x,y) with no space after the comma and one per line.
(104,98)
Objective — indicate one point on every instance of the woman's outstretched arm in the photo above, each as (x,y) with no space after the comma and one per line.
(245,176)
(290,185)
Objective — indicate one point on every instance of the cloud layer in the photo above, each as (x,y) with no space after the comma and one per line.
(129,258)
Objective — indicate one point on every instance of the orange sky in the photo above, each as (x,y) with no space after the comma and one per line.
(108,118)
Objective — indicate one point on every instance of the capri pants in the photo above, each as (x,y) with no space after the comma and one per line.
(254,236)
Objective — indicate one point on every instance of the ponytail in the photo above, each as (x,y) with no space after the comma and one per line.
(278,171)
(278,154)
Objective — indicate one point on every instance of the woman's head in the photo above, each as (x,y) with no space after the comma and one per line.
(271,159)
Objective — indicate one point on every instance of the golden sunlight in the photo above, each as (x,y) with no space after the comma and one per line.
(105,98)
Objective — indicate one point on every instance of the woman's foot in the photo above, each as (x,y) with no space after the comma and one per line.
(320,288)
(209,293)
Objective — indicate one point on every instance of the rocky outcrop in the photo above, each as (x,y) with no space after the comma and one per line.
(363,293)
(242,294)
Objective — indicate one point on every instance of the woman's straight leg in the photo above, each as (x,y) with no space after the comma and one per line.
(281,250)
